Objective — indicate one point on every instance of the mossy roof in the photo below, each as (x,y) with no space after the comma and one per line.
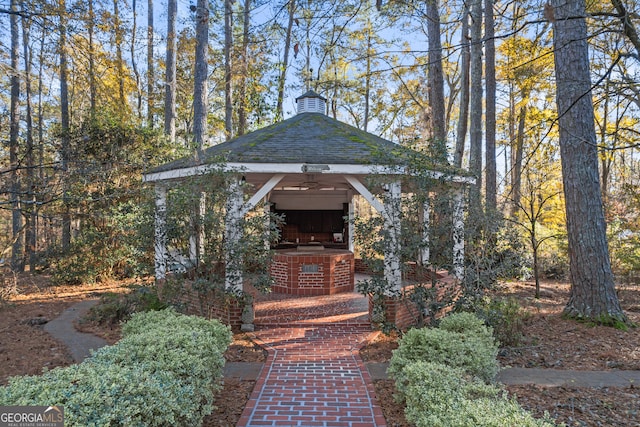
(303,138)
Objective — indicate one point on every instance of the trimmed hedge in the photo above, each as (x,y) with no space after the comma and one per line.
(163,372)
(461,341)
(452,390)
(441,396)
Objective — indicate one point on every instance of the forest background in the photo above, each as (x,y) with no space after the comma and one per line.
(95,93)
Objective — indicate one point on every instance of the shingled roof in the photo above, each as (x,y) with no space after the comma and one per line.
(303,138)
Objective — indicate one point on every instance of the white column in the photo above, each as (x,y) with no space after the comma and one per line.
(196,240)
(392,206)
(160,244)
(351,230)
(267,224)
(458,233)
(233,235)
(425,252)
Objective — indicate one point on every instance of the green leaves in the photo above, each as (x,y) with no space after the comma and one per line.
(163,372)
(442,376)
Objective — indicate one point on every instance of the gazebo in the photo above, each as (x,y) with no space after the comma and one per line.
(309,168)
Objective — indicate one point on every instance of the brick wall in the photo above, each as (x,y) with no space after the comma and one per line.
(212,305)
(404,313)
(324,273)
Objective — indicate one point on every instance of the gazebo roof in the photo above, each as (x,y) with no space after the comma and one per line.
(304,138)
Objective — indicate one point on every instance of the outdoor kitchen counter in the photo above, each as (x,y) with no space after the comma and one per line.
(313,270)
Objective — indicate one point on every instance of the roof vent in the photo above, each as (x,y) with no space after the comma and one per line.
(311,102)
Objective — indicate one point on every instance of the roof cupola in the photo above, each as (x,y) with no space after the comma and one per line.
(311,102)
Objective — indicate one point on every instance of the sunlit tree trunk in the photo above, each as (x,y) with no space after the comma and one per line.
(463,118)
(516,169)
(490,113)
(436,83)
(134,64)
(244,78)
(92,59)
(170,72)
(150,64)
(200,100)
(285,62)
(592,294)
(475,103)
(367,79)
(228,45)
(117,28)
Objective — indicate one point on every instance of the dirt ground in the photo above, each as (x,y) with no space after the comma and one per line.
(548,342)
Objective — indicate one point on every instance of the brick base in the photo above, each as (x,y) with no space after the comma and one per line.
(322,272)
(402,312)
(213,304)
(399,311)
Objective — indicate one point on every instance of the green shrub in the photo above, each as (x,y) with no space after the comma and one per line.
(506,317)
(99,394)
(473,349)
(115,308)
(444,382)
(465,323)
(441,396)
(451,389)
(163,372)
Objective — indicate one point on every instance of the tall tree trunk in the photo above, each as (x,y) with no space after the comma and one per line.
(200,100)
(228,45)
(436,83)
(134,65)
(92,60)
(516,169)
(117,28)
(40,115)
(475,103)
(367,79)
(490,113)
(592,294)
(463,118)
(65,143)
(150,64)
(242,92)
(170,73)
(14,130)
(30,235)
(605,159)
(285,62)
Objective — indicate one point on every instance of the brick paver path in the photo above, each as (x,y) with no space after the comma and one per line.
(313,377)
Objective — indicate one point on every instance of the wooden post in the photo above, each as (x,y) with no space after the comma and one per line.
(160,245)
(458,233)
(425,253)
(267,224)
(351,226)
(392,206)
(196,240)
(233,235)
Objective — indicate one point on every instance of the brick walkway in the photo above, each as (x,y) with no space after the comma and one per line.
(313,375)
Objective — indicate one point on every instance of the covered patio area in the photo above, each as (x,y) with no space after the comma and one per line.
(308,170)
